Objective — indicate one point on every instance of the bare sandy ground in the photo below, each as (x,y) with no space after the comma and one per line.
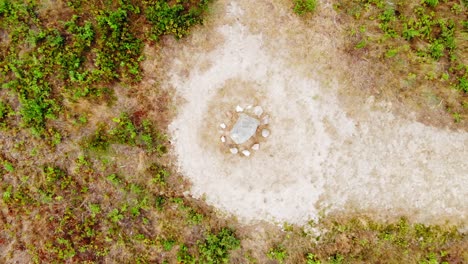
(322,156)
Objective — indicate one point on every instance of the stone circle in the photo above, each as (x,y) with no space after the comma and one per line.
(245,130)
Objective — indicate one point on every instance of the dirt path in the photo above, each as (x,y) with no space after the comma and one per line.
(322,155)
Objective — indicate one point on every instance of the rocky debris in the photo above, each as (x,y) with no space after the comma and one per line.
(222,125)
(258,111)
(256,146)
(246,153)
(234,150)
(223,139)
(244,129)
(265,133)
(239,109)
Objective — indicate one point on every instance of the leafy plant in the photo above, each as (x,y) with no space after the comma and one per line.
(216,247)
(8,166)
(115,215)
(175,18)
(302,7)
(432,3)
(312,259)
(278,253)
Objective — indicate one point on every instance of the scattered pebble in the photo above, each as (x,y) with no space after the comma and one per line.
(239,109)
(265,133)
(256,146)
(246,153)
(266,120)
(258,110)
(234,150)
(248,107)
(222,125)
(223,139)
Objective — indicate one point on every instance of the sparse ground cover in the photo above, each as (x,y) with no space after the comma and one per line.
(84,186)
(422,45)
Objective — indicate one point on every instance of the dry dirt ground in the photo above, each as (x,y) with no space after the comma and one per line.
(333,146)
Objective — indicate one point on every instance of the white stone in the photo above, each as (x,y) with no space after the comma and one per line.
(234,150)
(239,109)
(223,139)
(244,129)
(248,107)
(256,146)
(266,120)
(246,152)
(222,125)
(258,111)
(265,133)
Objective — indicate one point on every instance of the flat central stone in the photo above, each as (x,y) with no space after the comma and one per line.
(244,129)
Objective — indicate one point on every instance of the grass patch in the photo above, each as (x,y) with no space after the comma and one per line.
(124,131)
(431,40)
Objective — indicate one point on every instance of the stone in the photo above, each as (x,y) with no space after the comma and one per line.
(266,120)
(234,150)
(222,125)
(256,146)
(244,129)
(258,111)
(246,152)
(239,109)
(223,139)
(265,133)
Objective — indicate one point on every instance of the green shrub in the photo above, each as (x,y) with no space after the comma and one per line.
(312,259)
(302,7)
(463,84)
(432,3)
(216,247)
(436,50)
(125,132)
(174,19)
(278,253)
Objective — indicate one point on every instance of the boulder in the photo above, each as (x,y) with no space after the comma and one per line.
(244,129)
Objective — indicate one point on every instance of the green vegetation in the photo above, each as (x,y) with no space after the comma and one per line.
(85,181)
(362,240)
(216,247)
(425,40)
(82,54)
(302,7)
(278,253)
(126,132)
(173,18)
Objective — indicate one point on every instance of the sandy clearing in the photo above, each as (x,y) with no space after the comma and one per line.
(319,157)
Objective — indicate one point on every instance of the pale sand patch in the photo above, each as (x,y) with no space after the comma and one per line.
(320,155)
